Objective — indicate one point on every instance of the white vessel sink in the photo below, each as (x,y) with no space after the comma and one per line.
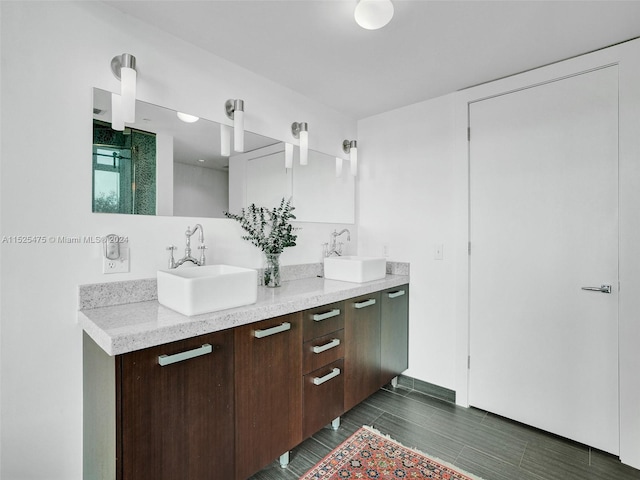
(355,269)
(196,290)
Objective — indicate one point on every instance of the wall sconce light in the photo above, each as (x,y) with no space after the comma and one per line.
(288,155)
(124,68)
(351,147)
(373,14)
(225,140)
(235,111)
(301,131)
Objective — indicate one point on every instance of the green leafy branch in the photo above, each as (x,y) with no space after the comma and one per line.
(268,229)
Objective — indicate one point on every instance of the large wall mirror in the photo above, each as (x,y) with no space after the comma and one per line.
(161,165)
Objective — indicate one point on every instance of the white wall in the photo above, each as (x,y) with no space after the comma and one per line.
(405,202)
(53,54)
(419,156)
(199,191)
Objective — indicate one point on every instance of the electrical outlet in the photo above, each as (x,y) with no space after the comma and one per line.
(438,252)
(119,265)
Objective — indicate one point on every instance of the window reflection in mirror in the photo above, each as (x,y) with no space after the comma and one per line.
(124,170)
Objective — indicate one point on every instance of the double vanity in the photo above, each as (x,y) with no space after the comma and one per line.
(223,394)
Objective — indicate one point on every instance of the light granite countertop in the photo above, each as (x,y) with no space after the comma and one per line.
(133,326)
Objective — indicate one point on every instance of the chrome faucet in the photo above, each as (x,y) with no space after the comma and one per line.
(335,248)
(187,251)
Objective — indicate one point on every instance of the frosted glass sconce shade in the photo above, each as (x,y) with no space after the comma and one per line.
(225,140)
(351,147)
(124,68)
(300,130)
(235,111)
(117,122)
(288,155)
(373,14)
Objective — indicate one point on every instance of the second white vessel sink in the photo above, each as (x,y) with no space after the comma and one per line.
(355,269)
(196,290)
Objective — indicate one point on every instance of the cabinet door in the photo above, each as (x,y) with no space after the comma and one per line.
(362,348)
(394,332)
(323,396)
(268,391)
(176,410)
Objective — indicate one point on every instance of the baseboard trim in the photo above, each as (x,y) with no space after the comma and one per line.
(427,388)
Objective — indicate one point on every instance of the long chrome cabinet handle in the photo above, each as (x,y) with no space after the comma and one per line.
(366,303)
(272,331)
(327,346)
(323,316)
(179,357)
(397,293)
(601,289)
(320,380)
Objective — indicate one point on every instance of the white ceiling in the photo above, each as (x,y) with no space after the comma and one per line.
(429,48)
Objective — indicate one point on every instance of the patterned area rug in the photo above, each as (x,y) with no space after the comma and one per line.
(368,454)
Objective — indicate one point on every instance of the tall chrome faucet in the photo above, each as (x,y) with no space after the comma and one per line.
(335,248)
(187,251)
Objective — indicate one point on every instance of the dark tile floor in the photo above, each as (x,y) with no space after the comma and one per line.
(481,443)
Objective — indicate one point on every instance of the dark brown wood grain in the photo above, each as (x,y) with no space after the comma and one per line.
(177,421)
(323,403)
(394,334)
(362,350)
(268,393)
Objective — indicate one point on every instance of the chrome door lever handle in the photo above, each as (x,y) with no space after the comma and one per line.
(601,289)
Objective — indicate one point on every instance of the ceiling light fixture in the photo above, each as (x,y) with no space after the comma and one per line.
(373,14)
(185,117)
(235,111)
(301,130)
(351,147)
(124,68)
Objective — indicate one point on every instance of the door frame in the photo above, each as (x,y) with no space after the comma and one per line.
(625,57)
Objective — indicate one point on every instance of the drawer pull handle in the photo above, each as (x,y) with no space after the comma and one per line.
(395,294)
(366,303)
(323,316)
(272,331)
(179,357)
(327,346)
(320,380)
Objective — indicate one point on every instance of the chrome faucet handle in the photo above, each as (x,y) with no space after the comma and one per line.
(202,248)
(172,261)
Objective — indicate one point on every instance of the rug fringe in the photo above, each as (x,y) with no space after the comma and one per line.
(436,459)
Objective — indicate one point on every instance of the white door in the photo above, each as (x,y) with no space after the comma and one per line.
(543,224)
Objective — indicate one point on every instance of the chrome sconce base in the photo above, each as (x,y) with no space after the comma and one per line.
(231,106)
(126,60)
(297,127)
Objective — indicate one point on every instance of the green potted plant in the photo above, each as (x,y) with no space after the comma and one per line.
(271,231)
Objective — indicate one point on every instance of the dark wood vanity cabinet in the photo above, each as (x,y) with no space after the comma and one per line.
(323,366)
(175,410)
(362,348)
(394,332)
(227,404)
(268,400)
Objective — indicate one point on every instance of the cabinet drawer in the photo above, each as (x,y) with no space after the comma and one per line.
(323,350)
(322,320)
(323,399)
